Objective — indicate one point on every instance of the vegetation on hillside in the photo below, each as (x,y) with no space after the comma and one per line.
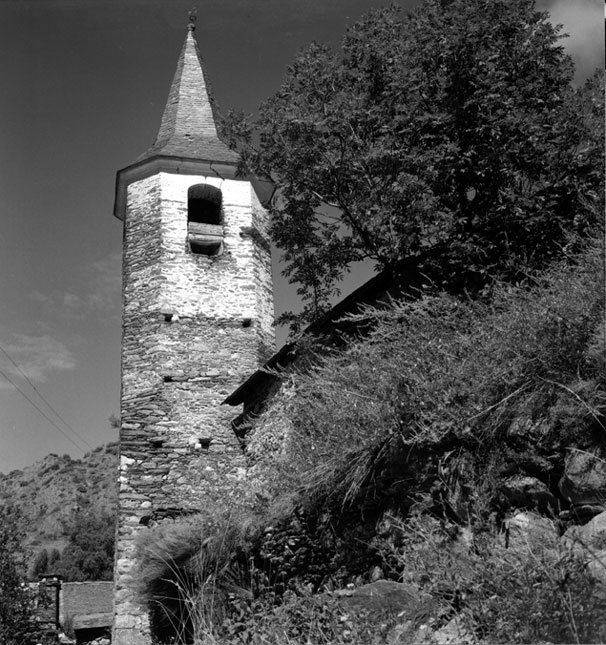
(447,374)
(89,554)
(17,622)
(67,514)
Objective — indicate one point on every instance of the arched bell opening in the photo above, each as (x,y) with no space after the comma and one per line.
(205,219)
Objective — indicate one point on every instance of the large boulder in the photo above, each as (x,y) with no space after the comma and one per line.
(383,602)
(385,597)
(594,529)
(528,530)
(416,613)
(453,633)
(589,541)
(584,483)
(527,492)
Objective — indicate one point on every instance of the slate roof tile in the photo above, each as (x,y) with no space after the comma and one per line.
(188,128)
(89,604)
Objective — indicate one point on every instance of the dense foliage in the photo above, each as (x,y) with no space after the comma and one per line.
(452,135)
(17,623)
(448,373)
(90,552)
(538,592)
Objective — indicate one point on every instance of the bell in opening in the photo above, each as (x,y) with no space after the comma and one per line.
(204,219)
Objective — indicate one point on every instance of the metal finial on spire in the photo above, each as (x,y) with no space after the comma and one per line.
(193,16)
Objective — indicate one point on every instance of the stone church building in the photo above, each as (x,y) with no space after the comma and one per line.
(197,320)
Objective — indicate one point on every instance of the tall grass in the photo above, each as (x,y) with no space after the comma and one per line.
(187,569)
(526,366)
(534,591)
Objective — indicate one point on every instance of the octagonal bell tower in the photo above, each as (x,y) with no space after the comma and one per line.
(197,319)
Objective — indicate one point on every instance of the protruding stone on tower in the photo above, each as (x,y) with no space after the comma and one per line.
(197,320)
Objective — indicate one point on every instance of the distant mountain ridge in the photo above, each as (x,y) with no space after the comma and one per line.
(49,493)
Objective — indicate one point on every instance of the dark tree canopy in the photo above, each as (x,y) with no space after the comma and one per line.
(17,623)
(40,565)
(452,135)
(90,552)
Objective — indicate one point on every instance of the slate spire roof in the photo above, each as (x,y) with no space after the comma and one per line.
(188,129)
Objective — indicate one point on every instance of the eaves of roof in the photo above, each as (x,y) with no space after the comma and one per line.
(406,280)
(368,293)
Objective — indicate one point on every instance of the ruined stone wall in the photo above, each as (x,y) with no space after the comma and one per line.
(193,328)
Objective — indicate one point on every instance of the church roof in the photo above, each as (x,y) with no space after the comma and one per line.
(188,129)
(89,604)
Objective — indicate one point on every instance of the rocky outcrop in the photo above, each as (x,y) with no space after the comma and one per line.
(523,491)
(452,633)
(386,597)
(584,483)
(529,530)
(415,612)
(589,541)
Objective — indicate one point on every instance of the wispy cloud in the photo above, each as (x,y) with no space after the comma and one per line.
(37,356)
(72,302)
(105,277)
(97,293)
(41,298)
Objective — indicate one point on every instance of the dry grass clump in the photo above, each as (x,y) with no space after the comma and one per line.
(187,569)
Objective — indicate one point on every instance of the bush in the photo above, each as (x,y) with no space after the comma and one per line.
(298,618)
(186,569)
(17,619)
(41,564)
(438,374)
(89,554)
(523,594)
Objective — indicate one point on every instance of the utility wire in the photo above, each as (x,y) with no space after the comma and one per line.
(67,425)
(40,411)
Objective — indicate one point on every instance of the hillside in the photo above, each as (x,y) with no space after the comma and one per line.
(440,479)
(49,492)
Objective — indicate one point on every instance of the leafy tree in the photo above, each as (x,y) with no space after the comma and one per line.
(40,565)
(17,624)
(90,552)
(453,136)
(589,108)
(53,559)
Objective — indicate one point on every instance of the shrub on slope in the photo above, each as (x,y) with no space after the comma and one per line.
(524,371)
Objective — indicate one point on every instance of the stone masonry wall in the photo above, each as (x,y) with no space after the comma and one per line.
(194,327)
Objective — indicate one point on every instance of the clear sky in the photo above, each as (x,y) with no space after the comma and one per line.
(83,85)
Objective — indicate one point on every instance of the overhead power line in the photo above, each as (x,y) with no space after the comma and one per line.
(47,403)
(50,407)
(24,395)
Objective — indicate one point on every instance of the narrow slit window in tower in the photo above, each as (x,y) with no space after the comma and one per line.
(204,219)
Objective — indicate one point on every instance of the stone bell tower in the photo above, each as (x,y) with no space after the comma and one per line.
(197,319)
